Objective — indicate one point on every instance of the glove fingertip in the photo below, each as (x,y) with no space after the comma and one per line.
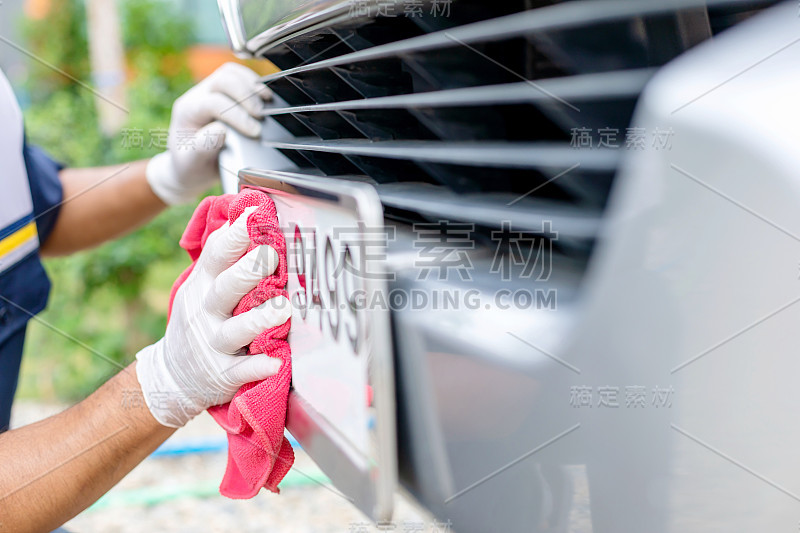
(269,365)
(256,367)
(252,128)
(238,228)
(265,260)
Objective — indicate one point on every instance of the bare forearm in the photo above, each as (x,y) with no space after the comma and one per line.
(54,469)
(100,204)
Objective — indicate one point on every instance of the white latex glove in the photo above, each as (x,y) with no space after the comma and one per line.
(195,365)
(230,96)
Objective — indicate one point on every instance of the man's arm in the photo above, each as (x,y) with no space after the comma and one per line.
(54,469)
(100,204)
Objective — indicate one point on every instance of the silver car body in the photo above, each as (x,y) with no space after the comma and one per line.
(659,394)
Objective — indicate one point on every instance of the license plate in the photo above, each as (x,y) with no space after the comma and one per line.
(342,406)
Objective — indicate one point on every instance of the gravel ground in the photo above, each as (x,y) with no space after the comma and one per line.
(179,493)
(186,486)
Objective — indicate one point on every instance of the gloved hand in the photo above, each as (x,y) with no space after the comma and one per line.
(231,95)
(196,364)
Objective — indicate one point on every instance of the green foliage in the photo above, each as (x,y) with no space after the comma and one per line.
(165,33)
(65,124)
(59,39)
(113,298)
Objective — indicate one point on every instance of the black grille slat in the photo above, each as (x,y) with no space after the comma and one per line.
(605,100)
(597,87)
(484,154)
(577,15)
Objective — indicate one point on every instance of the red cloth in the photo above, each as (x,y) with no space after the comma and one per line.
(258,453)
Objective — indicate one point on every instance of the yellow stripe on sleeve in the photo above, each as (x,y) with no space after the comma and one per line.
(18,238)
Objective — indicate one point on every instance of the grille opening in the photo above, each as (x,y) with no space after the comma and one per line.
(595,115)
(640,42)
(502,238)
(378,31)
(391,171)
(590,189)
(511,122)
(470,179)
(601,47)
(283,57)
(721,18)
(297,158)
(323,86)
(376,78)
(377,109)
(493,63)
(292,125)
(330,164)
(328,125)
(388,124)
(319,46)
(287,90)
(402,215)
(469,11)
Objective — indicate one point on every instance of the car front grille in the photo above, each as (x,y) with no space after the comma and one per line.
(471,115)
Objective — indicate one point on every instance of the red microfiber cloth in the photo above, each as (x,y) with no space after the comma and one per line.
(258,453)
